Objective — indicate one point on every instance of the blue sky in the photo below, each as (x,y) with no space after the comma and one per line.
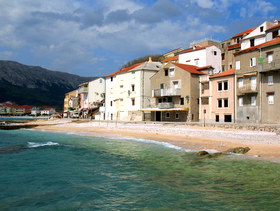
(96,37)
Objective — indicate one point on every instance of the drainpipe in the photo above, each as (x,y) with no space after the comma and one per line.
(260,82)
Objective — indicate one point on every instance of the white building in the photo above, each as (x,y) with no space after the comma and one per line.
(257,36)
(128,90)
(96,97)
(202,57)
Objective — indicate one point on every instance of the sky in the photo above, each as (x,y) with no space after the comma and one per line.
(97,37)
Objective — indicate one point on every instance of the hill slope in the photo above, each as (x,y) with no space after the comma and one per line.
(35,85)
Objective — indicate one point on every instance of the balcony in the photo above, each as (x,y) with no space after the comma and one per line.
(248,88)
(166,92)
(83,90)
(166,105)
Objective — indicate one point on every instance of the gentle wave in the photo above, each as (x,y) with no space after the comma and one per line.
(35,145)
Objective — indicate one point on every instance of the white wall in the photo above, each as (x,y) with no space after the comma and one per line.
(96,90)
(205,57)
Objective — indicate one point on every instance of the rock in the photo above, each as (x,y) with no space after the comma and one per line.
(238,150)
(202,153)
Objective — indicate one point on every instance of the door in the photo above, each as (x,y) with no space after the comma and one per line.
(253,83)
(158,115)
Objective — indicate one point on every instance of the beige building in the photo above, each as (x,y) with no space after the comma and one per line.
(257,82)
(175,93)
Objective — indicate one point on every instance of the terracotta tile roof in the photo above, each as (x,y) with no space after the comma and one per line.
(275,41)
(189,68)
(170,59)
(205,67)
(244,32)
(230,47)
(193,49)
(225,73)
(273,27)
(125,69)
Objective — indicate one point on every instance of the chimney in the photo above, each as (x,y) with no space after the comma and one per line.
(276,22)
(150,59)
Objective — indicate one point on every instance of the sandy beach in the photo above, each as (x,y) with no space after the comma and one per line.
(263,145)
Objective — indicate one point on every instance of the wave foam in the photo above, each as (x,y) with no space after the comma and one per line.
(35,145)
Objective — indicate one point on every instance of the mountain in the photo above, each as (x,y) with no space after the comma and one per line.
(34,85)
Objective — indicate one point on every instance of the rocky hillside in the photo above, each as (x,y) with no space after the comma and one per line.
(35,85)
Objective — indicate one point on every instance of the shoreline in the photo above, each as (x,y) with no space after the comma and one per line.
(263,145)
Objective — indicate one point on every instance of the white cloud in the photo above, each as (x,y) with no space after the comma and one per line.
(259,8)
(204,3)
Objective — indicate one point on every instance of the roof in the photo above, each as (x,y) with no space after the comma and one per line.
(225,73)
(189,68)
(230,47)
(275,41)
(244,32)
(205,67)
(125,69)
(194,49)
(273,27)
(170,59)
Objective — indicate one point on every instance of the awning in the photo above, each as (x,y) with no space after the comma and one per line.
(164,109)
(250,74)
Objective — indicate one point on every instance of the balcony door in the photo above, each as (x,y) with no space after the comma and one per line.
(253,83)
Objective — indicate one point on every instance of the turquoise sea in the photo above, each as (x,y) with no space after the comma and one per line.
(55,171)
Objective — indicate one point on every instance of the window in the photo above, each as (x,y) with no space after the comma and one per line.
(171,72)
(161,86)
(182,101)
(132,87)
(217,118)
(237,65)
(271,99)
(240,101)
(166,72)
(223,56)
(187,61)
(269,57)
(204,100)
(196,61)
(133,101)
(225,85)
(220,86)
(167,115)
(253,82)
(253,62)
(275,34)
(175,84)
(226,103)
(220,103)
(261,29)
(121,86)
(159,100)
(227,118)
(253,100)
(100,81)
(176,116)
(111,78)
(111,103)
(215,53)
(270,80)
(252,42)
(169,99)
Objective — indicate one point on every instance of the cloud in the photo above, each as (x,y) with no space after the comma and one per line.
(204,3)
(259,8)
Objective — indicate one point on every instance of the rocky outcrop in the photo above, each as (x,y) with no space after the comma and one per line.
(238,150)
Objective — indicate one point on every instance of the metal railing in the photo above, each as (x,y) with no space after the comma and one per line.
(166,92)
(166,105)
(248,88)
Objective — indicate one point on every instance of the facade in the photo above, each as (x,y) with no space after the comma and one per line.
(253,68)
(202,56)
(217,97)
(128,92)
(47,111)
(273,32)
(96,98)
(83,100)
(175,93)
(70,103)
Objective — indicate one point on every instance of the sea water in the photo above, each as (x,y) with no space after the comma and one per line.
(55,171)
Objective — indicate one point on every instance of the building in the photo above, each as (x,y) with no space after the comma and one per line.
(217,97)
(83,100)
(96,98)
(175,93)
(201,56)
(71,104)
(47,110)
(128,91)
(257,79)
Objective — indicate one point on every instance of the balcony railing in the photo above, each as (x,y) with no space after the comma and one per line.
(248,88)
(166,105)
(166,92)
(83,90)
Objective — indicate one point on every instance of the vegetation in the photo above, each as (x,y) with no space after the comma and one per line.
(155,58)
